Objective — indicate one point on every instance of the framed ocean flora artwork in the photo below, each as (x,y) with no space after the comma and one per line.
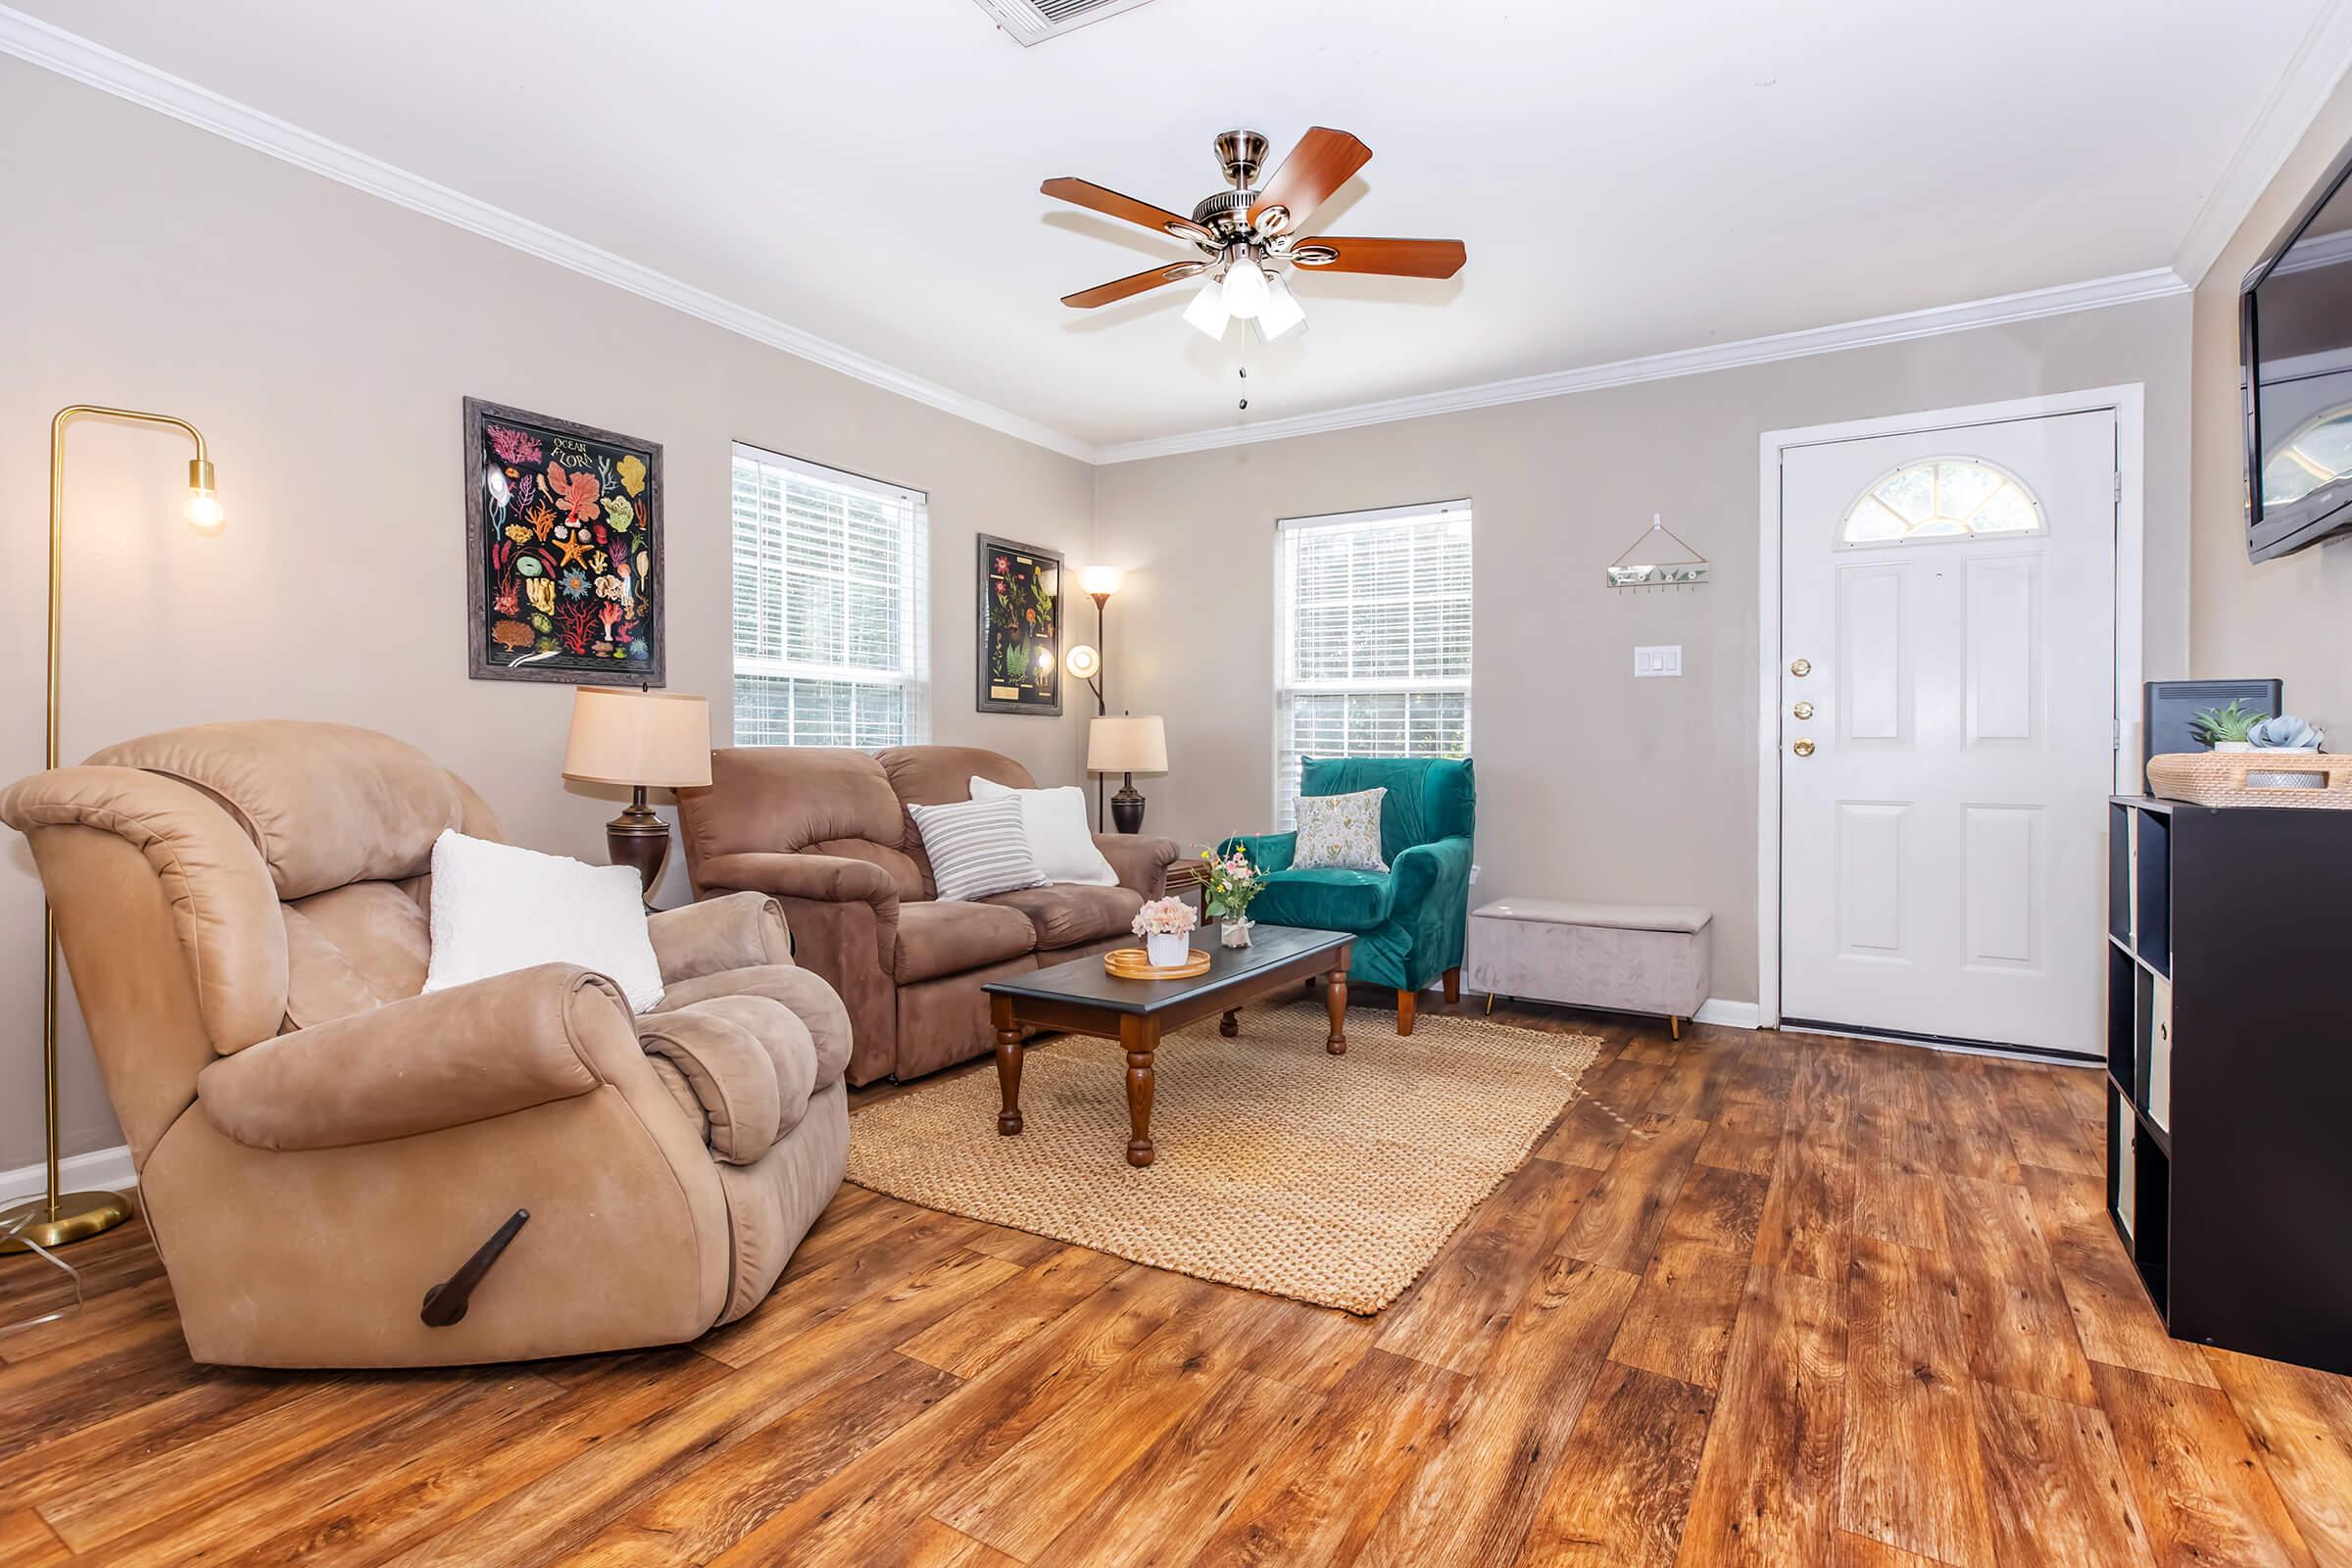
(563,550)
(1020,628)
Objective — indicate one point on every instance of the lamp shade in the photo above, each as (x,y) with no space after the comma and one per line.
(660,739)
(1127,744)
(1103,580)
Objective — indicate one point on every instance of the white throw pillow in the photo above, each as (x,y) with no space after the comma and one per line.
(976,848)
(1341,831)
(1055,823)
(497,908)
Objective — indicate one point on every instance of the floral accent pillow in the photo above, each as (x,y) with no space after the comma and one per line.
(1341,831)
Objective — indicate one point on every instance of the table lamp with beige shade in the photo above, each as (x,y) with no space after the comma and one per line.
(1128,745)
(645,740)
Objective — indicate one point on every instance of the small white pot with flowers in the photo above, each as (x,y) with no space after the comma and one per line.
(1233,882)
(1166,924)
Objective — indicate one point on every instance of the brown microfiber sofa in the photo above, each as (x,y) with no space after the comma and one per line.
(826,831)
(318,1143)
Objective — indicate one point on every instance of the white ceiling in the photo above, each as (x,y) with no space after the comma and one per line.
(1631,176)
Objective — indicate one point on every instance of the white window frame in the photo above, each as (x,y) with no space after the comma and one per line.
(914,676)
(1288,688)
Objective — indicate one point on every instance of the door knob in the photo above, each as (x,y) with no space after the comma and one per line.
(1802,710)
(1801,668)
(1802,748)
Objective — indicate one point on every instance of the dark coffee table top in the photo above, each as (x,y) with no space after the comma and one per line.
(1084,981)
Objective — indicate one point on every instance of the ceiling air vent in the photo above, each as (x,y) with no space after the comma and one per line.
(1030,21)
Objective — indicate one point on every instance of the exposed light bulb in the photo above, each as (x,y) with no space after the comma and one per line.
(1281,316)
(1245,288)
(203,507)
(1208,311)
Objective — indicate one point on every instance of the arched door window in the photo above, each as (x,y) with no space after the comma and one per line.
(1941,498)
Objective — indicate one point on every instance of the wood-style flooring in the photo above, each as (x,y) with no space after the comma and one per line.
(1758,1297)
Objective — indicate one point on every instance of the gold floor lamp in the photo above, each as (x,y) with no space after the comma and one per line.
(57,1218)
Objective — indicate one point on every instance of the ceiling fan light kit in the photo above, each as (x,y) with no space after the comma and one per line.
(1244,234)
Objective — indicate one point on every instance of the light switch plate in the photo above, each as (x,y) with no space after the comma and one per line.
(1658,662)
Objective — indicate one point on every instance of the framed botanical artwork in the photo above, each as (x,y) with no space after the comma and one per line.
(564,527)
(1020,628)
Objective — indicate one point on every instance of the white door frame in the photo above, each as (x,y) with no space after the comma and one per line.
(2128,404)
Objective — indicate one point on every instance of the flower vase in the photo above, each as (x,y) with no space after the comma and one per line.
(1167,949)
(1235,931)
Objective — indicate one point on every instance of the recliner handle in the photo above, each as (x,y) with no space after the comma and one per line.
(445,1304)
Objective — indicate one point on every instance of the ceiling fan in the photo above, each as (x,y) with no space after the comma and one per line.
(1246,233)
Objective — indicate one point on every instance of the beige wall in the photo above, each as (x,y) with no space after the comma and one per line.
(324,339)
(2290,617)
(1591,785)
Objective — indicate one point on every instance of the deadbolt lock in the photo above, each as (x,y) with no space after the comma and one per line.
(1802,710)
(1801,668)
(1802,748)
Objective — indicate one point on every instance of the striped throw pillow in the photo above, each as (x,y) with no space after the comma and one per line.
(977,847)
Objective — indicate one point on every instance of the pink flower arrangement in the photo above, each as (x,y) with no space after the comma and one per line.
(1163,918)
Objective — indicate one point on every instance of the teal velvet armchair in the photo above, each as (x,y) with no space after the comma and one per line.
(1409,921)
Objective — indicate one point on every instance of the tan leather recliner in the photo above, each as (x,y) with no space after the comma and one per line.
(243,910)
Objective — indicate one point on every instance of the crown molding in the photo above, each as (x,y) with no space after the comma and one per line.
(93,64)
(2317,66)
(2312,74)
(2155,283)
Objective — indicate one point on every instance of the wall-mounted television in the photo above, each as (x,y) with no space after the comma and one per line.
(2295,373)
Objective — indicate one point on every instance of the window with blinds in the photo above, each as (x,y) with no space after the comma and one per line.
(1372,638)
(831,581)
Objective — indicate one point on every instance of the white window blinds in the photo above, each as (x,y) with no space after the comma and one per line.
(831,589)
(1372,638)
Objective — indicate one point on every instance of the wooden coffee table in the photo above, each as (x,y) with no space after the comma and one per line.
(1080,998)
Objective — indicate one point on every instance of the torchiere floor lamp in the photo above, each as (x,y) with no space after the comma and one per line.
(1099,583)
(57,1218)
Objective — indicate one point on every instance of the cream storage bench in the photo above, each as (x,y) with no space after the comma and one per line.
(1626,958)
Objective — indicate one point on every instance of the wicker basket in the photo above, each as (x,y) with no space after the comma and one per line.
(2254,778)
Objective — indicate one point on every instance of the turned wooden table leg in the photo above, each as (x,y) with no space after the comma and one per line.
(1008,1064)
(1336,996)
(1229,1026)
(1140,1037)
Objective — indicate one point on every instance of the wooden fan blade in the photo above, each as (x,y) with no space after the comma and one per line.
(1086,193)
(1323,160)
(1393,258)
(1133,284)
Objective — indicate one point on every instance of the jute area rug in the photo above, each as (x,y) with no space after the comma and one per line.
(1281,1167)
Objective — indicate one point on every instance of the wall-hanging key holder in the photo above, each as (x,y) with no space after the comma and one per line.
(1656,570)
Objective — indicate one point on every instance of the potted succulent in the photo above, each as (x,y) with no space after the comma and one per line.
(2228,729)
(2286,733)
(1233,882)
(1164,925)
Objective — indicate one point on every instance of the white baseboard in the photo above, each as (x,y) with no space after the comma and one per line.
(104,1170)
(1731,1014)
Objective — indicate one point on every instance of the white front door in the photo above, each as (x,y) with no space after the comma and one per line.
(1946,729)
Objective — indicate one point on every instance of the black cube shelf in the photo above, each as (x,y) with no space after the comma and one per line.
(2229,1071)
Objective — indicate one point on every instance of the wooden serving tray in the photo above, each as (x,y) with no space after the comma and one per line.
(1130,963)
